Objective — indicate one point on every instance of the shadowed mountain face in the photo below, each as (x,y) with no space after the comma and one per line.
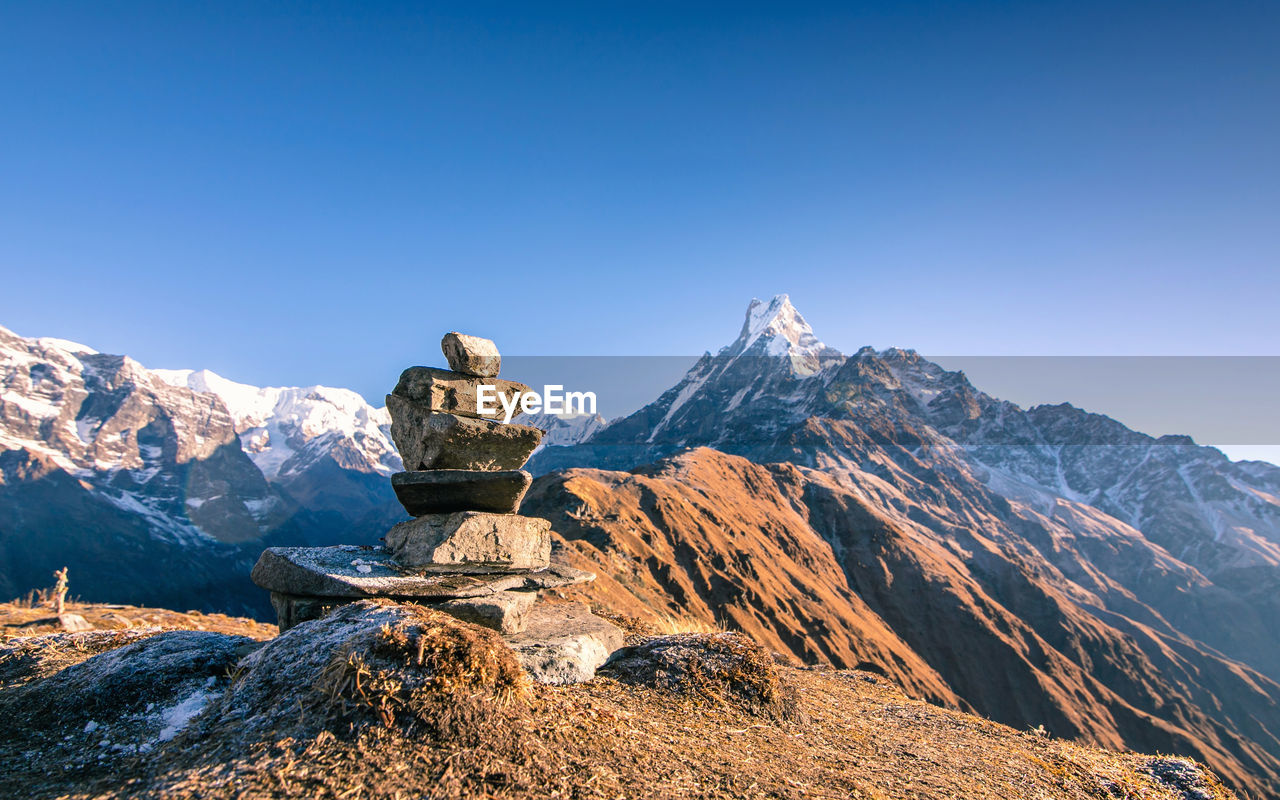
(1050,566)
(162,488)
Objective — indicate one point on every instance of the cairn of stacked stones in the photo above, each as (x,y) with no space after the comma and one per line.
(465,551)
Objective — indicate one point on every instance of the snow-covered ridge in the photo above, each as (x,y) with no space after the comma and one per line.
(275,423)
(563,430)
(65,344)
(43,382)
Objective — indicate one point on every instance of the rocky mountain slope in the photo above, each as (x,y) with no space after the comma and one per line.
(854,572)
(162,487)
(1049,566)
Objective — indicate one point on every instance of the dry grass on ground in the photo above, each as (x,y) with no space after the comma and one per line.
(610,740)
(23,617)
(852,735)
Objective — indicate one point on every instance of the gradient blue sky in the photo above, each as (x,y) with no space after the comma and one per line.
(297,193)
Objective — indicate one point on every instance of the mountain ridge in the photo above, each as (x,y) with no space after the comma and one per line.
(1079,573)
(1108,577)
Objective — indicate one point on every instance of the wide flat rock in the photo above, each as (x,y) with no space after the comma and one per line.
(439,491)
(358,571)
(564,643)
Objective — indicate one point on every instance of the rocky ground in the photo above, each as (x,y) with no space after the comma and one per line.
(396,701)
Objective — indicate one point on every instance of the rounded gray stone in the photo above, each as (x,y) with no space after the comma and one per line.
(471,355)
(564,643)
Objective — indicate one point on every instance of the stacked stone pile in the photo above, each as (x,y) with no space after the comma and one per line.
(466,551)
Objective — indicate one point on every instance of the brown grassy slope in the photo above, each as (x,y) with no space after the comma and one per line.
(817,568)
(752,566)
(22,618)
(851,735)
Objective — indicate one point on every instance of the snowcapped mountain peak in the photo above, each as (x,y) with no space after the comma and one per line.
(65,346)
(775,349)
(276,423)
(775,318)
(248,405)
(777,329)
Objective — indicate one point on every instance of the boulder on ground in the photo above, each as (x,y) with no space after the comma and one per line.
(373,662)
(112,707)
(721,667)
(73,623)
(565,643)
(29,658)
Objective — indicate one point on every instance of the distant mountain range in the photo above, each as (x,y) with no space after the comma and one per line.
(1040,566)
(162,487)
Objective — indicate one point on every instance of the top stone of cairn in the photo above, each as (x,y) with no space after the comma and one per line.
(471,355)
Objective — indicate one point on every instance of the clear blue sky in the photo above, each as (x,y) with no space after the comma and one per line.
(298,193)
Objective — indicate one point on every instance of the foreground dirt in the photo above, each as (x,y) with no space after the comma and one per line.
(20,619)
(849,734)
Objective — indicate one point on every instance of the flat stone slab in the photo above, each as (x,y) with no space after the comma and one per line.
(471,355)
(430,439)
(440,491)
(354,571)
(564,643)
(453,392)
(472,541)
(292,609)
(505,612)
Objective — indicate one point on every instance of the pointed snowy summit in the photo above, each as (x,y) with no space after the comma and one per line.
(777,329)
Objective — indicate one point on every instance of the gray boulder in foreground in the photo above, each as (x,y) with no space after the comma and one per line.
(564,643)
(111,708)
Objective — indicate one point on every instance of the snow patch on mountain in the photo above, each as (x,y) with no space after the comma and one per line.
(563,430)
(66,345)
(275,423)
